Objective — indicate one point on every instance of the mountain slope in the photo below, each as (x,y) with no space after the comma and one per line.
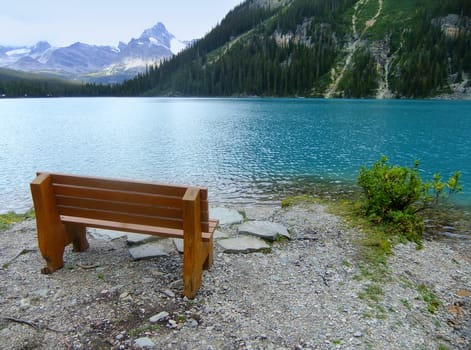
(330,48)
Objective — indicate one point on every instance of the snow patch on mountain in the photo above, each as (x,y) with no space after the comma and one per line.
(18,52)
(176,46)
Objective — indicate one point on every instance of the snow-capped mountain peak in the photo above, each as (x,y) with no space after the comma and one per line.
(157,31)
(81,61)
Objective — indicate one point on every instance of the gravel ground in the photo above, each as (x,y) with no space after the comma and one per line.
(307,293)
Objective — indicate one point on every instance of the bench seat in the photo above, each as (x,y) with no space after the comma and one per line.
(136,228)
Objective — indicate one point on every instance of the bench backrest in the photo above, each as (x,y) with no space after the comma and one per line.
(124,201)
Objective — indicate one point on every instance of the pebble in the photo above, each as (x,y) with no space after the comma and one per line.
(168,293)
(24,304)
(159,317)
(192,323)
(42,292)
(172,324)
(144,343)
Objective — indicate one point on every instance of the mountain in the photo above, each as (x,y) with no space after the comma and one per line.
(84,62)
(324,48)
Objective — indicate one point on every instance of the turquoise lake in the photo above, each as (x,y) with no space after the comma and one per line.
(244,150)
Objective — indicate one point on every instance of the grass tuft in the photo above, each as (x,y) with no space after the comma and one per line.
(7,220)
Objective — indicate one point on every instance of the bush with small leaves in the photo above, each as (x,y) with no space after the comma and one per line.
(395,195)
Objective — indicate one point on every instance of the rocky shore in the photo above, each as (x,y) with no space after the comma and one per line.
(307,289)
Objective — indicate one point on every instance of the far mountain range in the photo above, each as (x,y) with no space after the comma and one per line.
(92,63)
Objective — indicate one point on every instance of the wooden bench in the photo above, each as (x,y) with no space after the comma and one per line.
(65,205)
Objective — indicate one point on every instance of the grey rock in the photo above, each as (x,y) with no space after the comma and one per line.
(105,235)
(242,244)
(192,323)
(42,292)
(168,293)
(131,238)
(150,250)
(177,284)
(138,238)
(159,317)
(264,229)
(144,343)
(226,216)
(178,244)
(172,324)
(24,304)
(221,235)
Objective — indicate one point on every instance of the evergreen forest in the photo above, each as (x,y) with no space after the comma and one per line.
(309,48)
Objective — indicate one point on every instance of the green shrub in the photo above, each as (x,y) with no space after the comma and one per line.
(395,195)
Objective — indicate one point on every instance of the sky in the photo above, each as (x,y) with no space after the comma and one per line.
(105,22)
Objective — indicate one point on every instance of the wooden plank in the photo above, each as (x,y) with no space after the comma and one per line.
(126,227)
(121,217)
(129,208)
(119,184)
(117,196)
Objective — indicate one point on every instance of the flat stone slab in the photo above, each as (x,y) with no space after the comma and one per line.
(105,235)
(264,229)
(140,238)
(260,212)
(131,238)
(243,244)
(162,247)
(217,236)
(221,235)
(178,244)
(226,216)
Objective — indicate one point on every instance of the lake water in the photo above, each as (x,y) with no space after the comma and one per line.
(243,150)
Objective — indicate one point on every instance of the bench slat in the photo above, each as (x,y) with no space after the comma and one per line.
(136,228)
(134,208)
(117,196)
(121,217)
(126,185)
(119,185)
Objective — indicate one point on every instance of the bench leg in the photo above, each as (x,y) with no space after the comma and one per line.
(192,243)
(208,261)
(52,244)
(78,236)
(192,276)
(52,250)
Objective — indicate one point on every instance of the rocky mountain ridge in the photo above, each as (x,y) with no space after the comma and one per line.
(85,62)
